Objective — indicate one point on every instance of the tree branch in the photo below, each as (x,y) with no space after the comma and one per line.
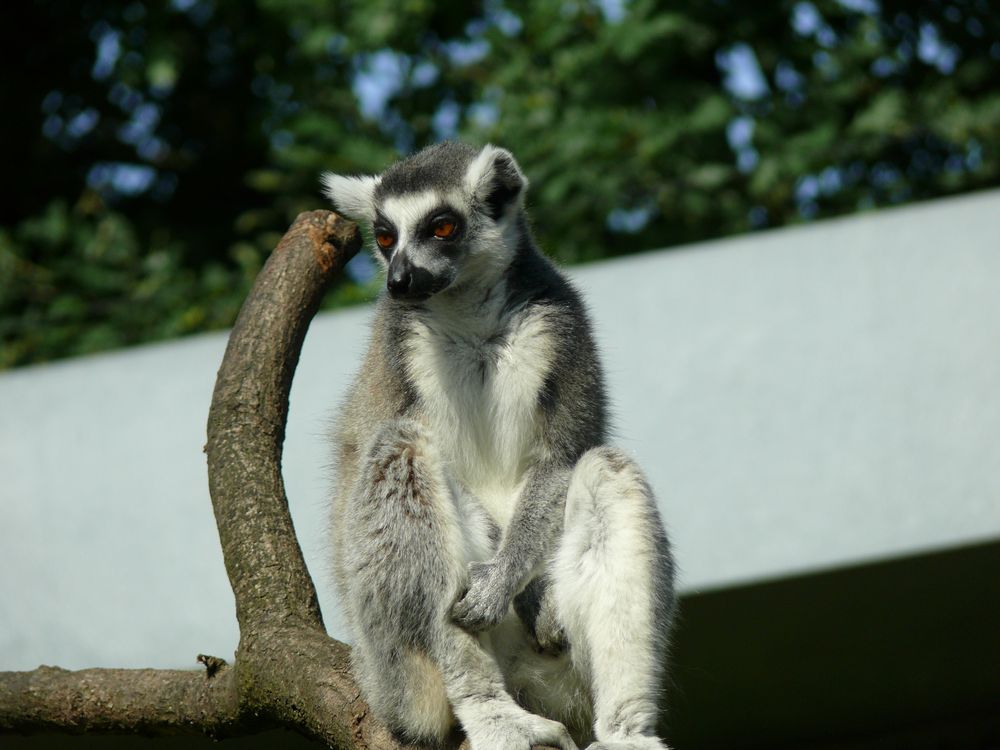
(246,423)
(146,701)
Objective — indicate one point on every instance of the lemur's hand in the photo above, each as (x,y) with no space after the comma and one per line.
(486,601)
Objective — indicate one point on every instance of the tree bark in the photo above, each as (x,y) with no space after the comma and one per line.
(246,423)
(147,701)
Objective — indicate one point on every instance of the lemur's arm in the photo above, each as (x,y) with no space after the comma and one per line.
(530,538)
(572,409)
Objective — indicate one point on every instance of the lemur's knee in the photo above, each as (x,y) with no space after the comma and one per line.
(399,445)
(610,459)
(401,466)
(397,434)
(606,474)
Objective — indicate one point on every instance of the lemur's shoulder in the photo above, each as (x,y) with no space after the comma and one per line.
(534,279)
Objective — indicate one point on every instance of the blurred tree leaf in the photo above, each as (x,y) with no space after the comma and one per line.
(157,150)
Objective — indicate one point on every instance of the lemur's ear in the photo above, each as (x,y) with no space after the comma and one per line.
(351,196)
(495,180)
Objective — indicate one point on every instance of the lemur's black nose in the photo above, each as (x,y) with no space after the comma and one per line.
(399,280)
(406,281)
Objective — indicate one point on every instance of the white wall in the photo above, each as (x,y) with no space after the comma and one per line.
(802,399)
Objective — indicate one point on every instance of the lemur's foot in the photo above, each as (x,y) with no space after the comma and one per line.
(632,742)
(513,728)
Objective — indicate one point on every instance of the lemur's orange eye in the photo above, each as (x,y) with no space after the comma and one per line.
(444,228)
(385,240)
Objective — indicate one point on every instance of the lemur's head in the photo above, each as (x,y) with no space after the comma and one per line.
(444,216)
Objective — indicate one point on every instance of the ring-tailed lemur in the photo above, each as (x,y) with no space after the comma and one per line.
(496,561)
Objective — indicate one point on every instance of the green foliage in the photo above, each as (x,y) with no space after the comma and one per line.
(81,282)
(161,148)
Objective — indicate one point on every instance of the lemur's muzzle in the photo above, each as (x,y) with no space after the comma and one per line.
(408,282)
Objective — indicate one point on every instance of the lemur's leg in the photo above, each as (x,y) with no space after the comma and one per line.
(406,562)
(612,581)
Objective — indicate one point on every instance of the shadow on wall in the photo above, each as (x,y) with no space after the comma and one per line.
(902,653)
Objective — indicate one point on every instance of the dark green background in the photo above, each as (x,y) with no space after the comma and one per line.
(153,151)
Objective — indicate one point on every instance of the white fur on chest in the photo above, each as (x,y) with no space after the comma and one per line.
(479,388)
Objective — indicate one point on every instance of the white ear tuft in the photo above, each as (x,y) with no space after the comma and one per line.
(351,196)
(495,180)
